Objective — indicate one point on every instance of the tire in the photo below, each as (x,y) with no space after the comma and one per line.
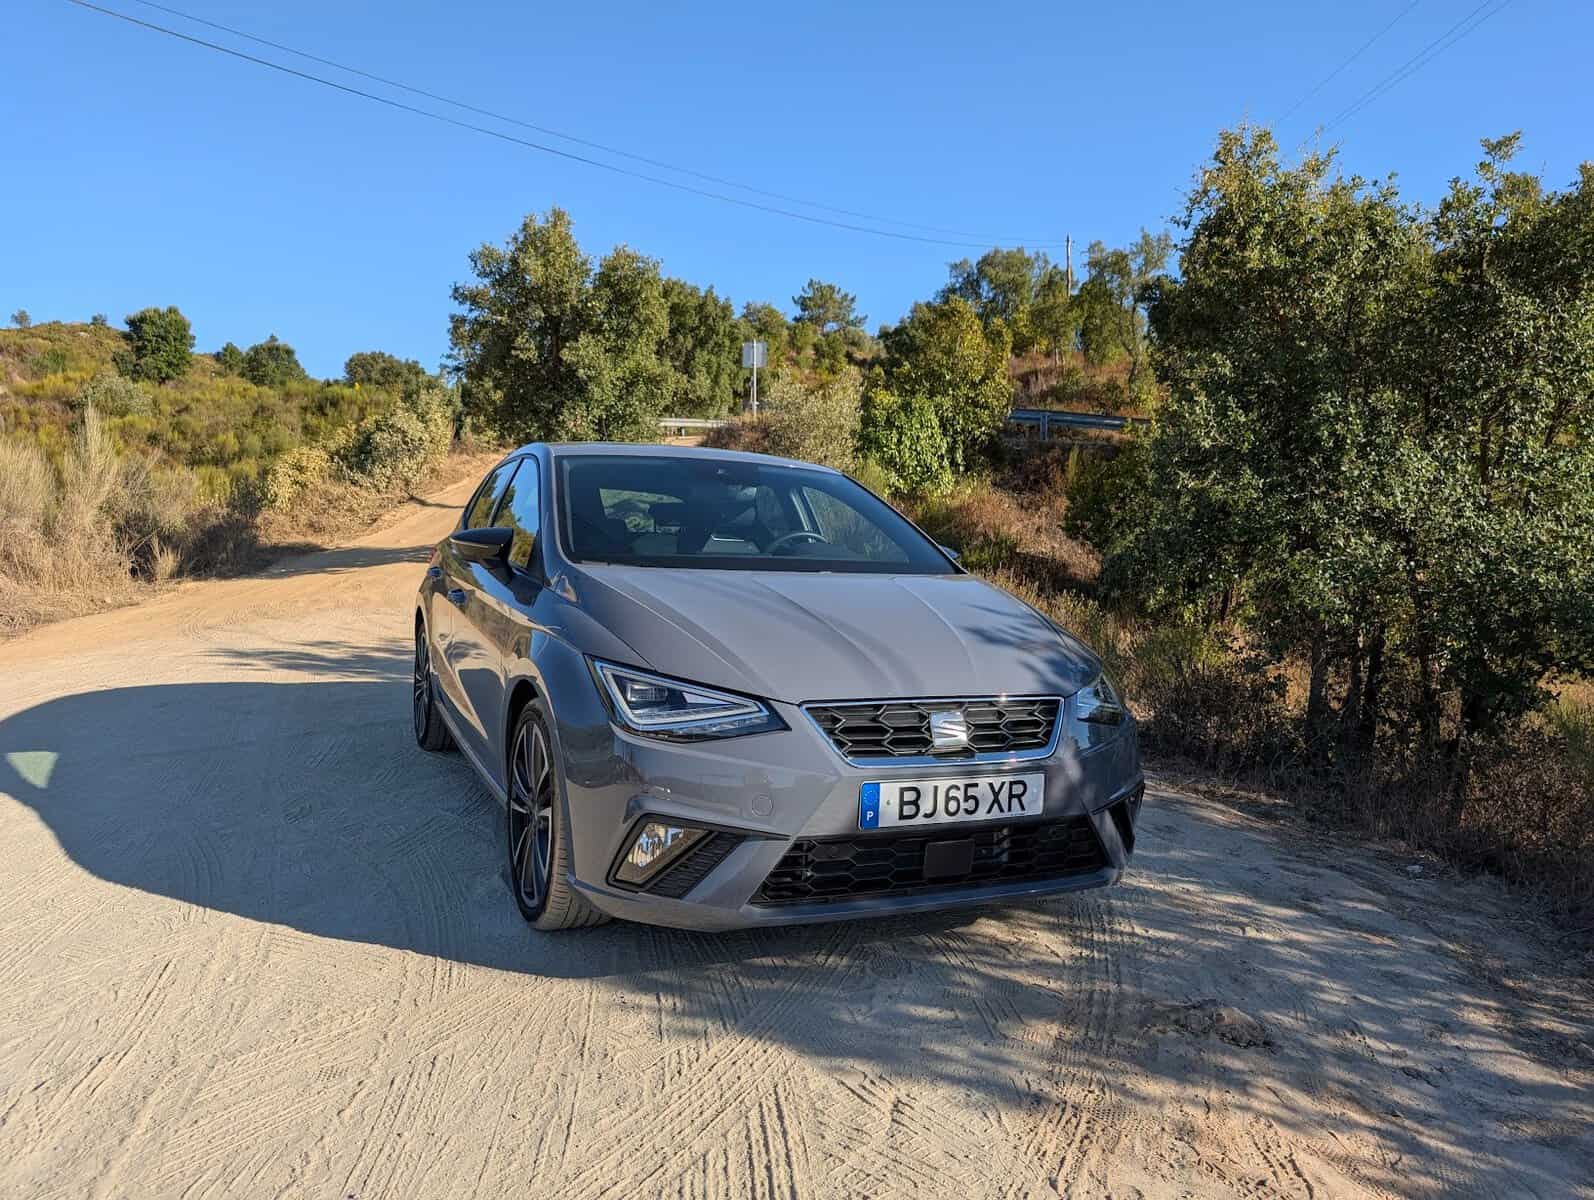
(537,842)
(430,732)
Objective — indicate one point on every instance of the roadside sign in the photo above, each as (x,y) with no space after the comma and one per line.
(753,354)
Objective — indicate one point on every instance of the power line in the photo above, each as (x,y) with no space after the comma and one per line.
(1419,60)
(465,106)
(1327,79)
(519,141)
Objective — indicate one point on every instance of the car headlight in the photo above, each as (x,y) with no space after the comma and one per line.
(658,706)
(1094,714)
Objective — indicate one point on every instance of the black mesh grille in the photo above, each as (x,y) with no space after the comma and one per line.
(819,869)
(681,877)
(901,728)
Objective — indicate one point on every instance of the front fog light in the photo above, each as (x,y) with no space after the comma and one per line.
(657,844)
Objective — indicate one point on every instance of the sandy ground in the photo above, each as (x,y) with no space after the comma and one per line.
(254,943)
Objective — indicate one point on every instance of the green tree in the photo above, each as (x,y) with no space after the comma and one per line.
(272,363)
(702,346)
(230,359)
(21,319)
(945,355)
(617,356)
(526,305)
(826,308)
(547,348)
(1006,285)
(1376,445)
(766,323)
(377,368)
(1111,302)
(159,343)
(100,321)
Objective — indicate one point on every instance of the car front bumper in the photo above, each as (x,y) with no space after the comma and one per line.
(771,789)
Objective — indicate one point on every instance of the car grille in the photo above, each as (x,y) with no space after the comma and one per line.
(816,870)
(888,729)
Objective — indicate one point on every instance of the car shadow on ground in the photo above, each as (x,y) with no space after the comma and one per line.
(296,796)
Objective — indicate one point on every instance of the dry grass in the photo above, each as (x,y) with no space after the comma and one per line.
(107,528)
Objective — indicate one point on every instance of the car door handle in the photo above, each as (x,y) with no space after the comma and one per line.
(456,596)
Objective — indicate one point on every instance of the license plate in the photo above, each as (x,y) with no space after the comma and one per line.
(900,802)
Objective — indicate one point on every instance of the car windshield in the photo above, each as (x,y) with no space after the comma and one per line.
(724,514)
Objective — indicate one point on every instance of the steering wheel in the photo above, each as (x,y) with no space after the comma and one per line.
(790,539)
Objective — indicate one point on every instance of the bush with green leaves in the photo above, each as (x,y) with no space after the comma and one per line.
(1377,444)
(902,436)
(112,394)
(159,343)
(271,363)
(294,474)
(814,421)
(393,450)
(377,368)
(230,359)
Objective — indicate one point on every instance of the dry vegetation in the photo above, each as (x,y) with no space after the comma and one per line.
(109,486)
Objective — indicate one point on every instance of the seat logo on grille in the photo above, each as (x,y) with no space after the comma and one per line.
(949,730)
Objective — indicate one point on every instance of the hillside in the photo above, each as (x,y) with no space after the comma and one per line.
(226,428)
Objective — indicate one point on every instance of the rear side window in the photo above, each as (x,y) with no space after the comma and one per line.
(481,508)
(521,512)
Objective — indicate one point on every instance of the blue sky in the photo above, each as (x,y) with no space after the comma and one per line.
(141,170)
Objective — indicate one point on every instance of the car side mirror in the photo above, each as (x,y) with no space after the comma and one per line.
(950,553)
(487,546)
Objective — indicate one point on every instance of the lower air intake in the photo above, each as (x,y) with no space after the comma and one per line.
(816,870)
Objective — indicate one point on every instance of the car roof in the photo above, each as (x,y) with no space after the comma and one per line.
(655,450)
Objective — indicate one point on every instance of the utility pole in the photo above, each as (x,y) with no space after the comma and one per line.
(1068,259)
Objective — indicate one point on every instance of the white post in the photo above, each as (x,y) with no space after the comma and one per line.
(755,383)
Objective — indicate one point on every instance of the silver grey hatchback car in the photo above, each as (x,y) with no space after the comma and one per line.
(716,690)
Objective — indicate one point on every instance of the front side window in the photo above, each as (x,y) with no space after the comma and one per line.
(520,511)
(481,507)
(728,515)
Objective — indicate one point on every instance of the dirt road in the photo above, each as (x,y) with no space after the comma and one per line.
(254,943)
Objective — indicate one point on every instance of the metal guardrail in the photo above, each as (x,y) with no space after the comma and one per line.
(1039,423)
(1043,424)
(687,426)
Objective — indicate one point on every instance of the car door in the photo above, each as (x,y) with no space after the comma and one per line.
(495,623)
(459,658)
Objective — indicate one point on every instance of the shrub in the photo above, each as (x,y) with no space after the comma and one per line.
(230,359)
(394,449)
(815,422)
(113,395)
(872,475)
(1105,490)
(294,474)
(903,436)
(271,363)
(377,368)
(53,361)
(159,341)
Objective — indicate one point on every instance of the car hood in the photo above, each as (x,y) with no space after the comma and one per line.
(799,636)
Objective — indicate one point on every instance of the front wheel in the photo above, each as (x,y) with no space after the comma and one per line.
(538,843)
